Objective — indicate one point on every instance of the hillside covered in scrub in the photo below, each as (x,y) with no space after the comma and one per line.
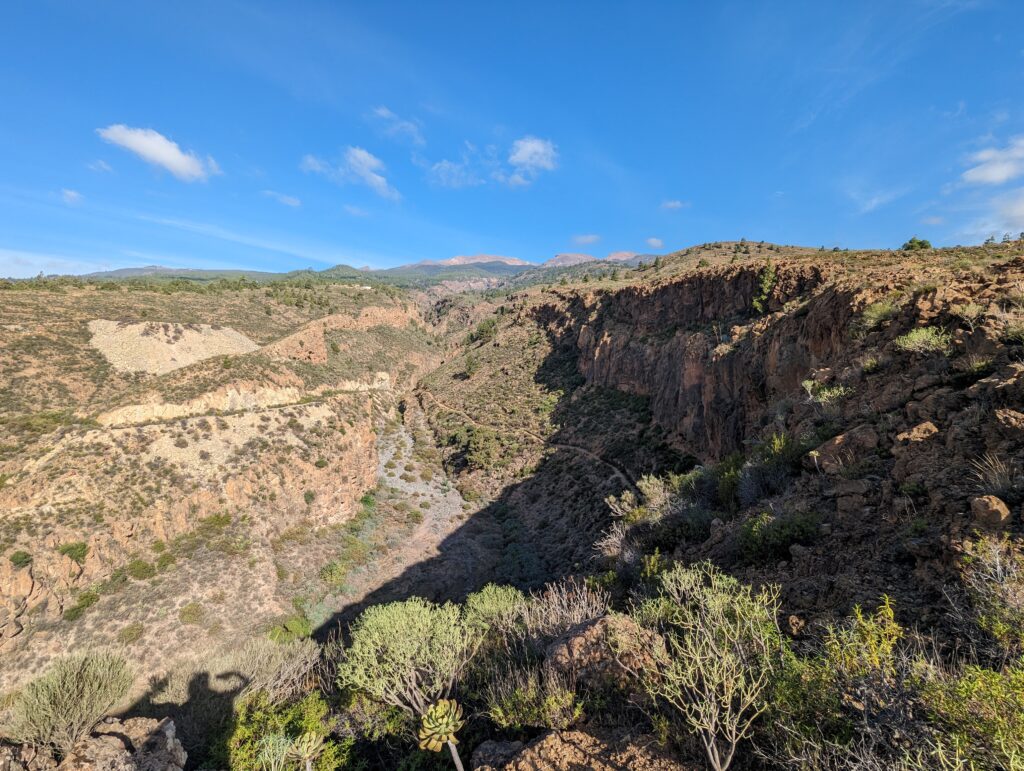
(741,506)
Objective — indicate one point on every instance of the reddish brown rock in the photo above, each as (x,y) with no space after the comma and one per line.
(989,511)
(603,651)
(843,450)
(560,750)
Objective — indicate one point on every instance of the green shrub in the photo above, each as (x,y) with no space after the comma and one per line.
(165,560)
(296,627)
(21,559)
(722,653)
(916,244)
(768,536)
(409,654)
(309,496)
(320,463)
(192,613)
(1014,333)
(877,313)
(61,706)
(83,602)
(131,633)
(766,281)
(140,570)
(534,697)
(925,340)
(484,332)
(866,645)
(983,712)
(76,551)
(258,717)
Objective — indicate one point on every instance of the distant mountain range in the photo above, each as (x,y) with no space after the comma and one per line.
(490,268)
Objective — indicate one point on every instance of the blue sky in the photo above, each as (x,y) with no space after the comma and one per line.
(282,135)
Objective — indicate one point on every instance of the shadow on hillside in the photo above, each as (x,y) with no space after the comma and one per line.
(202,719)
(544,526)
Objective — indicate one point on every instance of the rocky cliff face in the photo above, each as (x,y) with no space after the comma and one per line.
(698,350)
(903,390)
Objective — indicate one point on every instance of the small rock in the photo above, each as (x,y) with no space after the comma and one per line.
(989,511)
(918,433)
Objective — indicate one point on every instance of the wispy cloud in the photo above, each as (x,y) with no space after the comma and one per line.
(933,220)
(675,204)
(71,197)
(281,198)
(996,165)
(153,147)
(355,211)
(398,128)
(357,165)
(586,238)
(528,157)
(23,264)
(867,199)
(99,165)
(655,243)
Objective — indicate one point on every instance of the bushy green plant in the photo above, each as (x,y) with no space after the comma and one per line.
(296,627)
(484,332)
(192,613)
(409,654)
(533,697)
(131,633)
(258,717)
(916,244)
(76,551)
(722,653)
(766,281)
(21,559)
(769,536)
(877,313)
(61,706)
(982,711)
(925,341)
(140,570)
(83,602)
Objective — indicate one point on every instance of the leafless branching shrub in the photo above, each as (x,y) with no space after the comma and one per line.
(561,606)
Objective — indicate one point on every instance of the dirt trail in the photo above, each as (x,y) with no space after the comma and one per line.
(621,473)
(446,513)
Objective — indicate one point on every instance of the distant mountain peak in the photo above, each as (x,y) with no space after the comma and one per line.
(568,258)
(621,256)
(470,259)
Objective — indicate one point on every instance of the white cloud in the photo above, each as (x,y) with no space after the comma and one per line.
(314,164)
(281,198)
(71,197)
(454,174)
(397,127)
(99,165)
(355,211)
(366,167)
(675,204)
(655,243)
(358,165)
(867,199)
(153,147)
(994,166)
(528,157)
(933,220)
(586,238)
